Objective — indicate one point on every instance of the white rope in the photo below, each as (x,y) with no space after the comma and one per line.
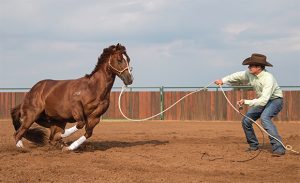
(287,147)
(145,119)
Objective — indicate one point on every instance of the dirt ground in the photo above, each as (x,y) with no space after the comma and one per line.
(153,151)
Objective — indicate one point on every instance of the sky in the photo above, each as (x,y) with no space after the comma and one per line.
(175,43)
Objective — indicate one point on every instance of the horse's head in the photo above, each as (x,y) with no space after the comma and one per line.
(119,64)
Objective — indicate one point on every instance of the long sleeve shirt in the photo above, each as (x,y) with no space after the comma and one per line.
(264,84)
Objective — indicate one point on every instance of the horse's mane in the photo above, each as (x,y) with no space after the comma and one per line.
(105,54)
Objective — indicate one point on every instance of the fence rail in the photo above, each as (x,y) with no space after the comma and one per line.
(139,102)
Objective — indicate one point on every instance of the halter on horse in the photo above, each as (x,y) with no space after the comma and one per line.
(54,103)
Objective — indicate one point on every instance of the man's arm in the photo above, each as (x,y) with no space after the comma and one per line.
(238,76)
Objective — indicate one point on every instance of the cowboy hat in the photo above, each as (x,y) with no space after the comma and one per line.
(257,59)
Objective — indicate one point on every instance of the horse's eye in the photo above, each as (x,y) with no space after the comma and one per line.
(120,61)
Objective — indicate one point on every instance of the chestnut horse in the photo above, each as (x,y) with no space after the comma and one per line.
(54,103)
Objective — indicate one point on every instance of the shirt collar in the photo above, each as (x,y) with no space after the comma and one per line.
(261,73)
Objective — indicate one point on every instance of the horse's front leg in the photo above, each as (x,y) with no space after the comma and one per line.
(93,120)
(79,116)
(89,127)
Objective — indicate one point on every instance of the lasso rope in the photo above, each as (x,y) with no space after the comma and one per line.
(287,147)
(145,119)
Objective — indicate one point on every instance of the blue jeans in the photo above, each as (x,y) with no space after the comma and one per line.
(266,113)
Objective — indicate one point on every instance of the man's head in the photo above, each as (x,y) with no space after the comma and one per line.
(255,69)
(257,63)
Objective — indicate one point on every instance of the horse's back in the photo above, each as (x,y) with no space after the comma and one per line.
(44,89)
(59,97)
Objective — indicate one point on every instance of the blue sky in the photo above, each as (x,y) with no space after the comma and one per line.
(170,42)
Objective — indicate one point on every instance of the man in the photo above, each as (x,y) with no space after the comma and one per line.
(267,104)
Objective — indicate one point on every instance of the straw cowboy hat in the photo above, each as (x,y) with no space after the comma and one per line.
(257,59)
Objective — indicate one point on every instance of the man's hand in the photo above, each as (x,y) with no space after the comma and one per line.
(241,102)
(219,82)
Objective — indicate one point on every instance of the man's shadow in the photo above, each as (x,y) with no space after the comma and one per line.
(91,146)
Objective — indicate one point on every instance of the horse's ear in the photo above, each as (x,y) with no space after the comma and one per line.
(113,48)
(120,47)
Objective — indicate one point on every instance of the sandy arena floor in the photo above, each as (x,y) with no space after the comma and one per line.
(153,152)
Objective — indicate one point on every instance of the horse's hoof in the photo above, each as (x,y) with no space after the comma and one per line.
(52,143)
(58,144)
(65,149)
(20,144)
(62,143)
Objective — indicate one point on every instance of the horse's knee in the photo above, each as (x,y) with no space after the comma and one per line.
(80,124)
(89,127)
(89,130)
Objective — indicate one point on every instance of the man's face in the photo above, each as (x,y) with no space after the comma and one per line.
(254,69)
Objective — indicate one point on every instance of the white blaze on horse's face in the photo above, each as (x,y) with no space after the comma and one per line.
(125,58)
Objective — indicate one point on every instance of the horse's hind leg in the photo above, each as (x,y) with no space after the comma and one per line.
(28,116)
(56,130)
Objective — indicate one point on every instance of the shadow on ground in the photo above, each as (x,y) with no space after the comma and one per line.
(105,145)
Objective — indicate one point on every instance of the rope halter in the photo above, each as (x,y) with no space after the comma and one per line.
(121,71)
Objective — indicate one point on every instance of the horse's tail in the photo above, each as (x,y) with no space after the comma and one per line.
(15,115)
(35,135)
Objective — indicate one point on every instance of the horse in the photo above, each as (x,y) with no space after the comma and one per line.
(54,103)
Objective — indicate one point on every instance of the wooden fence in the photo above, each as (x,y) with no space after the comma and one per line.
(201,106)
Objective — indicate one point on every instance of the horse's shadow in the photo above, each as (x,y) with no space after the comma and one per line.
(105,145)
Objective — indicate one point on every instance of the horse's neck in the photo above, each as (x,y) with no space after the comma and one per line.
(103,81)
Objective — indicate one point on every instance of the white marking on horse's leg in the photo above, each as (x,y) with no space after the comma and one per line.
(20,144)
(69,131)
(77,143)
